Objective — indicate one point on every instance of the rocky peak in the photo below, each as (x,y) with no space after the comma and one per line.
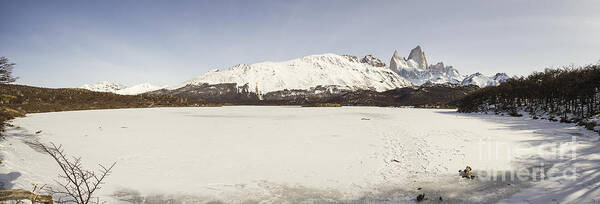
(104,86)
(417,55)
(352,58)
(439,65)
(397,62)
(373,61)
(501,77)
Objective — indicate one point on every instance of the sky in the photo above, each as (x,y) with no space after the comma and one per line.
(69,43)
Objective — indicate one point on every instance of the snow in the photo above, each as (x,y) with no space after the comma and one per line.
(500,77)
(479,80)
(139,89)
(106,86)
(483,81)
(417,71)
(304,73)
(293,154)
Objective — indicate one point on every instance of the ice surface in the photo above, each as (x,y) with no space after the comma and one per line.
(293,154)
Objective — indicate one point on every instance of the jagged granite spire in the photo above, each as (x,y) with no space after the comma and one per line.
(418,56)
(397,61)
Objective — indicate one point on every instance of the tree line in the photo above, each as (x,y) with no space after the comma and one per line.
(571,93)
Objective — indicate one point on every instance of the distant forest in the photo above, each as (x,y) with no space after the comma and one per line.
(17,100)
(571,94)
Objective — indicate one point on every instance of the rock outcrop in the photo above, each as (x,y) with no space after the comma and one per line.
(372,60)
(416,70)
(417,55)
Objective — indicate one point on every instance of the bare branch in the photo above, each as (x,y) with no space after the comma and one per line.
(76,183)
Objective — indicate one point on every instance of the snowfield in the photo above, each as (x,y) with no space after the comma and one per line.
(292,154)
(305,73)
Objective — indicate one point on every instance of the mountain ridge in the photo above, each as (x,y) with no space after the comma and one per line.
(344,72)
(112,87)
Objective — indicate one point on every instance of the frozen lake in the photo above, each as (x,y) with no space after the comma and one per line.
(285,154)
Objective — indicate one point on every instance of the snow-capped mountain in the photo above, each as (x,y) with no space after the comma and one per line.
(416,70)
(342,71)
(106,86)
(138,89)
(483,81)
(316,73)
(500,77)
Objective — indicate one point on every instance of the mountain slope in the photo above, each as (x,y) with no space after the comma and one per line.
(416,70)
(483,81)
(138,89)
(32,99)
(345,72)
(104,86)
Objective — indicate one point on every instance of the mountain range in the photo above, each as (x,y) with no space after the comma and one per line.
(330,72)
(106,86)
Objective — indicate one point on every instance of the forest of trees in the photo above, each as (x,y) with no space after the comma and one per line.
(570,93)
(17,100)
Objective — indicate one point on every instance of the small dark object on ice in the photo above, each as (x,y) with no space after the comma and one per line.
(419,188)
(421,197)
(38,132)
(441,199)
(466,173)
(365,119)
(394,160)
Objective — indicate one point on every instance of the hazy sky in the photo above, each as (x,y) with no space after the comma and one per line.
(69,43)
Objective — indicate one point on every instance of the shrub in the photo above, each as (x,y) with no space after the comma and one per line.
(565,120)
(515,114)
(590,126)
(76,184)
(7,114)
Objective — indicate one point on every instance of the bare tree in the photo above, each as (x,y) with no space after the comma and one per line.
(6,71)
(75,183)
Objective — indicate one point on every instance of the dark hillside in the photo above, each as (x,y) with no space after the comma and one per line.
(17,100)
(426,95)
(568,95)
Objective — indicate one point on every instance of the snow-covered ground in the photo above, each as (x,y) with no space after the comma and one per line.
(292,154)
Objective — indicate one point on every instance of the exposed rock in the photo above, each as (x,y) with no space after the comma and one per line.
(397,63)
(352,58)
(416,70)
(418,56)
(104,86)
(372,60)
(501,77)
(482,81)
